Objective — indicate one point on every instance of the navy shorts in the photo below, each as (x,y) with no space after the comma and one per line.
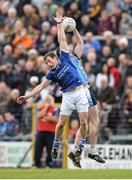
(93,97)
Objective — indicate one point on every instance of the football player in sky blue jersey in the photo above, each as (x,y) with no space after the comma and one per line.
(93,118)
(65,73)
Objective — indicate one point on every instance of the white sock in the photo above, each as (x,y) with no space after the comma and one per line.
(93,149)
(75,148)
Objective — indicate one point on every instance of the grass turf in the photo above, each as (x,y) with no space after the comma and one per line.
(64,174)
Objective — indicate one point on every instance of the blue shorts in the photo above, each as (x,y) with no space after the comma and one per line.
(90,96)
(93,98)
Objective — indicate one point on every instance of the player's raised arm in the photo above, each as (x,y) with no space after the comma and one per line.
(35,91)
(60,30)
(79,47)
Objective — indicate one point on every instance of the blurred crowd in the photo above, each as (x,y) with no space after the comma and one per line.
(27,26)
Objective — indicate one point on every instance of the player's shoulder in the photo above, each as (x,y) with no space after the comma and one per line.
(64,52)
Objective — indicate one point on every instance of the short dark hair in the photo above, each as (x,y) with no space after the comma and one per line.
(50,54)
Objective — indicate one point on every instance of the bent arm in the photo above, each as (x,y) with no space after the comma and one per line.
(79,47)
(51,118)
(38,88)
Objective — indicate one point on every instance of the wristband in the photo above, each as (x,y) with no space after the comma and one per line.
(59,22)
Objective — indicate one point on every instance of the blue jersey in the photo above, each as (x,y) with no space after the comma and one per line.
(65,73)
(76,62)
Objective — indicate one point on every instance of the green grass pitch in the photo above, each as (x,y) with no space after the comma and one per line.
(64,174)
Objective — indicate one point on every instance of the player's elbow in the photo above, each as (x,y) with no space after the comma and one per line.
(62,40)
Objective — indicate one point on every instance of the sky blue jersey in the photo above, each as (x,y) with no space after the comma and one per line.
(77,63)
(84,78)
(65,73)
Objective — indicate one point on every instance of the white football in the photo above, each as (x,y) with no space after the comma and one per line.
(69,24)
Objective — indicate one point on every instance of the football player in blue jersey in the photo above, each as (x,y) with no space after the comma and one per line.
(65,73)
(93,118)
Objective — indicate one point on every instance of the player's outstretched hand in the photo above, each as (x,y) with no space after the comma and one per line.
(21,99)
(59,15)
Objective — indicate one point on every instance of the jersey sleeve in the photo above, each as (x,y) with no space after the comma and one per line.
(50,76)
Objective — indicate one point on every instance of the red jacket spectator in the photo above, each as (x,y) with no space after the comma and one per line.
(46,117)
(43,123)
(113,70)
(117,76)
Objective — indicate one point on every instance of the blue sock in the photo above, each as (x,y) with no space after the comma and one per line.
(82,143)
(56,144)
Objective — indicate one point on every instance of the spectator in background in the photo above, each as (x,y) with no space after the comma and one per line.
(74,12)
(95,65)
(87,25)
(94,10)
(91,43)
(45,131)
(19,53)
(104,23)
(34,34)
(13,106)
(34,80)
(3,13)
(114,72)
(9,23)
(49,44)
(51,6)
(45,28)
(126,5)
(105,71)
(31,70)
(74,125)
(53,32)
(123,64)
(30,17)
(116,11)
(7,74)
(111,4)
(108,40)
(106,94)
(20,75)
(12,125)
(3,126)
(125,26)
(4,97)
(44,15)
(7,55)
(21,36)
(122,47)
(114,24)
(105,54)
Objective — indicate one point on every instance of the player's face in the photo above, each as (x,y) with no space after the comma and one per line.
(51,62)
